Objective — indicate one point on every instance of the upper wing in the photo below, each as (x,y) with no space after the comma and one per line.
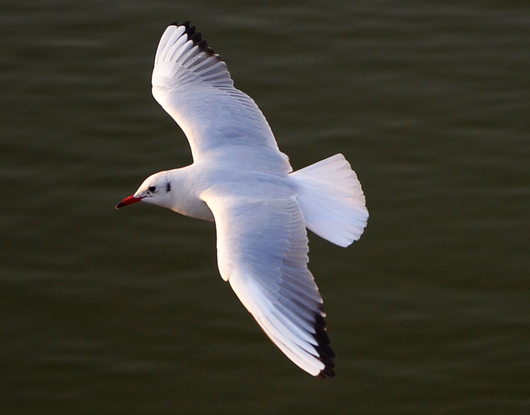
(262,252)
(193,85)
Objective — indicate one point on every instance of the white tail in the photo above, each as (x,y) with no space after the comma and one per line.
(332,200)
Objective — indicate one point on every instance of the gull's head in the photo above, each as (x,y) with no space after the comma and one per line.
(156,189)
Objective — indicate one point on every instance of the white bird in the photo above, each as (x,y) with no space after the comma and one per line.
(261,208)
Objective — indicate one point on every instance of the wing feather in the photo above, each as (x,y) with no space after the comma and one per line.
(262,252)
(192,83)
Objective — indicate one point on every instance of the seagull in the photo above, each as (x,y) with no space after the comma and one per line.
(261,207)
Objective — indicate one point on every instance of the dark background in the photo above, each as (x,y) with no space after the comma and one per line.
(106,312)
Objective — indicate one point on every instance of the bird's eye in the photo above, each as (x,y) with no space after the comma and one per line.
(152,189)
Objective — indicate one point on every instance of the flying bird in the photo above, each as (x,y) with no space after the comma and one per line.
(261,207)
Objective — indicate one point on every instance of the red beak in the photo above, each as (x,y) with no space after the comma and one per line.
(128,201)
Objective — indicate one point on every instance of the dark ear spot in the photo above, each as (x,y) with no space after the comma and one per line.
(168,187)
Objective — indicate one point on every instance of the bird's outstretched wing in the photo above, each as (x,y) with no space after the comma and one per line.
(193,85)
(262,252)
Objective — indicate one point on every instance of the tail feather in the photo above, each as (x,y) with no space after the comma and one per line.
(332,200)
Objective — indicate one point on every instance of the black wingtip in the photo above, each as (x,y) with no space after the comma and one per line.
(326,373)
(323,348)
(195,37)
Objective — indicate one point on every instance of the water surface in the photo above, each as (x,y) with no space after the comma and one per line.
(124,312)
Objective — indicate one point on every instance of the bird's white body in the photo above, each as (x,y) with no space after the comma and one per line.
(261,208)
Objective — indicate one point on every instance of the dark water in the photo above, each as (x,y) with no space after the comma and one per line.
(106,312)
